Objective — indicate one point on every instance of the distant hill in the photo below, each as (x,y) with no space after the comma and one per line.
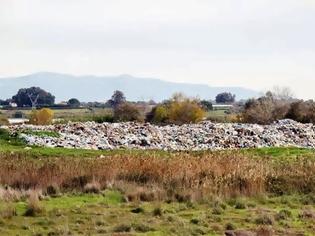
(100,88)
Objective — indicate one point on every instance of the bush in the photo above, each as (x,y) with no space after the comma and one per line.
(101,119)
(33,206)
(302,111)
(265,110)
(127,112)
(264,220)
(137,210)
(93,187)
(18,114)
(41,117)
(122,228)
(283,214)
(4,134)
(178,110)
(3,120)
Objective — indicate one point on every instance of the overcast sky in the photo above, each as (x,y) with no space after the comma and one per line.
(251,43)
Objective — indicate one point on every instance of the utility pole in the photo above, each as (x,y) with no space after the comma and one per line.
(33,100)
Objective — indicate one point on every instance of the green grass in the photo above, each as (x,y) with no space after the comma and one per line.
(14,144)
(42,133)
(105,213)
(65,113)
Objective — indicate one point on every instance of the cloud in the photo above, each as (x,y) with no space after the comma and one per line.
(250,43)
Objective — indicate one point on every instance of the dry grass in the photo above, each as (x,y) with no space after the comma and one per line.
(179,176)
(33,205)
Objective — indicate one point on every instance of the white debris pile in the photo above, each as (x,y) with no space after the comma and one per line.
(202,136)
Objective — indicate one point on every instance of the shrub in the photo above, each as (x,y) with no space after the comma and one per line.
(302,111)
(157,211)
(4,134)
(41,117)
(3,120)
(101,119)
(18,114)
(194,221)
(178,110)
(217,210)
(264,220)
(230,226)
(283,214)
(93,187)
(127,112)
(142,228)
(240,205)
(137,210)
(265,110)
(52,190)
(206,105)
(33,205)
(122,228)
(9,211)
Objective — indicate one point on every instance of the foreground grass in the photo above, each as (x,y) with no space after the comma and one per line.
(268,190)
(107,214)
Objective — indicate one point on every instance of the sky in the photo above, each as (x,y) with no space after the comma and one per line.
(255,44)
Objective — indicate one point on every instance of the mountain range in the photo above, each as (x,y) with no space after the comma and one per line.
(100,88)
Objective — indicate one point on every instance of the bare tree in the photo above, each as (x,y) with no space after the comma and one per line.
(33,100)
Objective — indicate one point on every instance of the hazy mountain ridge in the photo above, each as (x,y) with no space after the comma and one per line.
(100,88)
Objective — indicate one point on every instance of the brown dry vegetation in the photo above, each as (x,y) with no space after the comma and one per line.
(177,176)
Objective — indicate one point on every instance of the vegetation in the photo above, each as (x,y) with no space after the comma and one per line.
(127,112)
(178,110)
(302,111)
(265,110)
(3,120)
(274,106)
(42,133)
(73,103)
(206,105)
(117,99)
(25,96)
(60,191)
(225,98)
(41,117)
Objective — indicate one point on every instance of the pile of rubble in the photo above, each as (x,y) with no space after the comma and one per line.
(202,136)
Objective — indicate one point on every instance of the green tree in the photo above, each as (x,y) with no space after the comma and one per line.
(73,102)
(27,97)
(117,99)
(225,98)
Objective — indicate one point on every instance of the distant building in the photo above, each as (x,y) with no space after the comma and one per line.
(13,104)
(63,103)
(222,106)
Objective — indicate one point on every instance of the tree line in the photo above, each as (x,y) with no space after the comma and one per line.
(28,97)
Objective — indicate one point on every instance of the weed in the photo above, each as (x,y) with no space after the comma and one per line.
(264,220)
(122,228)
(283,215)
(240,205)
(230,226)
(157,211)
(137,210)
(93,187)
(142,228)
(33,205)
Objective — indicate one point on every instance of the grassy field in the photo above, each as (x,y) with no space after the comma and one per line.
(46,191)
(64,113)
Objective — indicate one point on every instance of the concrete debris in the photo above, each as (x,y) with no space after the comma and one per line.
(202,136)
